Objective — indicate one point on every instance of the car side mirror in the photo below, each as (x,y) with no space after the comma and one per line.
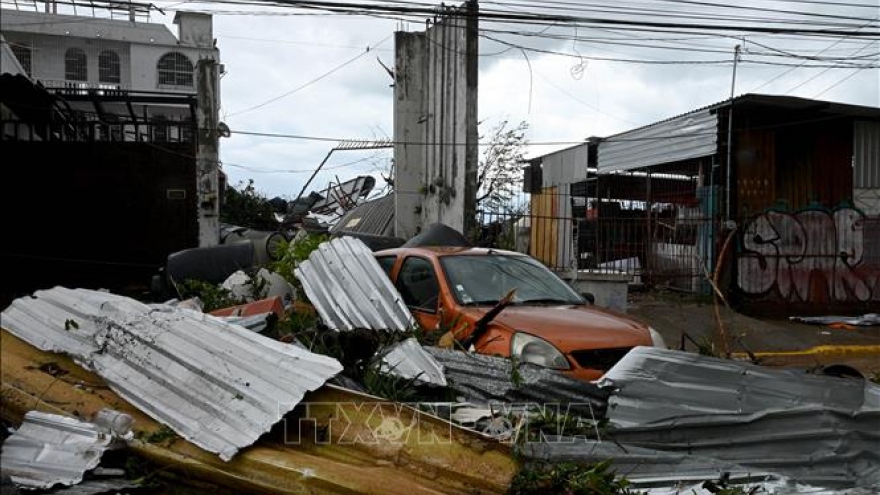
(589,297)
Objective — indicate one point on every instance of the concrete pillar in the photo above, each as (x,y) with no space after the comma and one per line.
(410,117)
(208,152)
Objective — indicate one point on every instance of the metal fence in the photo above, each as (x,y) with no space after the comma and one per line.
(659,228)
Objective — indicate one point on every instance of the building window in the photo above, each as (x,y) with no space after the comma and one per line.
(76,65)
(108,67)
(175,69)
(23,54)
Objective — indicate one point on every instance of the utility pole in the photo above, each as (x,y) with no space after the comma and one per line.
(730,133)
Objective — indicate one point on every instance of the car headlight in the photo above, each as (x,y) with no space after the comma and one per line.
(657,339)
(530,349)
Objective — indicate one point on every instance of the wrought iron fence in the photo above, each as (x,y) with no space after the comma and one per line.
(658,228)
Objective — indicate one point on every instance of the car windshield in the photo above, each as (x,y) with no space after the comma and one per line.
(484,279)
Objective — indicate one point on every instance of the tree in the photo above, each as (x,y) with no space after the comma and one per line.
(499,175)
(247,207)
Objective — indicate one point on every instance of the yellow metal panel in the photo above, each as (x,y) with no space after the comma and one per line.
(544,232)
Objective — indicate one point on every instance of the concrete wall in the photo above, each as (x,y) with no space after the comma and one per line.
(436,107)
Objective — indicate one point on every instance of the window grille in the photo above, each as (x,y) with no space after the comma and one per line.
(108,67)
(175,69)
(76,65)
(23,54)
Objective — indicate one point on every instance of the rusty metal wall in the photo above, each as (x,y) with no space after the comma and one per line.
(794,167)
(809,261)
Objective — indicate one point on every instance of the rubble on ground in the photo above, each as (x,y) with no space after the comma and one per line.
(260,411)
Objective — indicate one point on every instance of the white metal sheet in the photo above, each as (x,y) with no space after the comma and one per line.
(49,449)
(216,384)
(350,290)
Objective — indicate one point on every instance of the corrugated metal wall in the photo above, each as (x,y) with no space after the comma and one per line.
(866,154)
(692,135)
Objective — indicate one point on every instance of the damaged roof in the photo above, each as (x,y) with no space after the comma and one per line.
(216,384)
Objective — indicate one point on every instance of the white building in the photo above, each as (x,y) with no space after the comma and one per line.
(125,75)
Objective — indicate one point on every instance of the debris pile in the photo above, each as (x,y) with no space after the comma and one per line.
(258,389)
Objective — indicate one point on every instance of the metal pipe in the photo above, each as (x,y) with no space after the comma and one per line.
(730,132)
(313,175)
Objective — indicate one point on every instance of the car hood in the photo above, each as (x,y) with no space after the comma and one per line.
(571,328)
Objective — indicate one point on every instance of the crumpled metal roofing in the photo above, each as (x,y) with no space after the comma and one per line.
(823,447)
(818,430)
(50,449)
(409,360)
(483,378)
(216,384)
(350,290)
(652,384)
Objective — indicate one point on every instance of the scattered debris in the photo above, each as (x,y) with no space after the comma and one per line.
(484,379)
(870,319)
(50,449)
(408,359)
(263,284)
(141,350)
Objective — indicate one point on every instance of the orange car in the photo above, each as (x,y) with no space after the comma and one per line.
(542,321)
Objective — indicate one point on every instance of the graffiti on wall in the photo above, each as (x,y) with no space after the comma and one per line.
(810,256)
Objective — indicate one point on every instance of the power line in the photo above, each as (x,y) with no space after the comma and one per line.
(309,83)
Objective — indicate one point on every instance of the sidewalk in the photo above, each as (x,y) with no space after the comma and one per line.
(777,342)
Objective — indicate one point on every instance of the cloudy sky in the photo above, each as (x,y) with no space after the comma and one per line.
(305,74)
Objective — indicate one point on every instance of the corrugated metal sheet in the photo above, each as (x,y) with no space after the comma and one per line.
(95,487)
(409,360)
(866,154)
(490,379)
(350,290)
(374,217)
(565,167)
(643,467)
(691,135)
(658,472)
(49,450)
(679,417)
(653,384)
(824,447)
(216,384)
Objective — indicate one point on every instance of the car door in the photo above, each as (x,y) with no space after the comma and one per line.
(418,285)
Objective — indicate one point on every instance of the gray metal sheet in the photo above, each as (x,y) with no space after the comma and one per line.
(866,154)
(659,472)
(489,379)
(350,290)
(643,467)
(823,447)
(687,136)
(49,450)
(374,217)
(652,384)
(409,360)
(216,384)
(565,167)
